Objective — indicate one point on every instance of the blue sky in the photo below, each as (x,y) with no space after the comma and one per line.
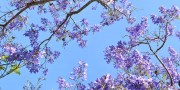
(93,53)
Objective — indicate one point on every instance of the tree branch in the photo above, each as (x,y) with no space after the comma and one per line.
(66,18)
(23,9)
(170,76)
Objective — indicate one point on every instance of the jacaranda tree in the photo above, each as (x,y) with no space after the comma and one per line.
(136,69)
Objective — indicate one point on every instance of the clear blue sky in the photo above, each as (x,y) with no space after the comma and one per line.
(92,54)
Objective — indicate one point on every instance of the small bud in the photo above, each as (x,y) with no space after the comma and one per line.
(63,39)
(50,4)
(13,37)
(156,72)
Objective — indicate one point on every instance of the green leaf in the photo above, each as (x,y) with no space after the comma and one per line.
(178,17)
(4,57)
(57,40)
(148,75)
(15,69)
(164,76)
(136,67)
(110,11)
(2,68)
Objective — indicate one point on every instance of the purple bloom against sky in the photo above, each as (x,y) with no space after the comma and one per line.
(63,84)
(139,29)
(178,34)
(80,72)
(106,82)
(96,28)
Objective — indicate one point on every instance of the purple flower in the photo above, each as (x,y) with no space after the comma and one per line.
(178,34)
(63,84)
(84,22)
(123,2)
(56,54)
(157,20)
(173,53)
(139,29)
(96,28)
(106,82)
(80,86)
(62,4)
(162,10)
(138,83)
(131,20)
(10,49)
(80,72)
(82,43)
(33,36)
(45,72)
(170,29)
(45,21)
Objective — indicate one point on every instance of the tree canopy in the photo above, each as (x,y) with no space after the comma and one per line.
(143,58)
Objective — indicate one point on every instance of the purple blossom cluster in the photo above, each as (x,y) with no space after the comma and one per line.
(56,8)
(119,11)
(178,34)
(57,27)
(15,53)
(125,59)
(122,81)
(106,82)
(172,13)
(131,82)
(18,23)
(139,66)
(78,75)
(137,30)
(165,19)
(142,73)
(63,84)
(33,36)
(19,3)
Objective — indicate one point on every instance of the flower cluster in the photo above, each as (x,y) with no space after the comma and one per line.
(18,23)
(140,72)
(128,60)
(164,21)
(61,12)
(33,36)
(178,35)
(172,13)
(14,53)
(136,71)
(19,3)
(106,82)
(63,84)
(139,29)
(122,9)
(136,68)
(78,75)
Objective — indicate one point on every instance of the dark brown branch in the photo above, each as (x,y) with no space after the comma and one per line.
(9,12)
(23,9)
(73,13)
(166,34)
(66,18)
(170,76)
(165,38)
